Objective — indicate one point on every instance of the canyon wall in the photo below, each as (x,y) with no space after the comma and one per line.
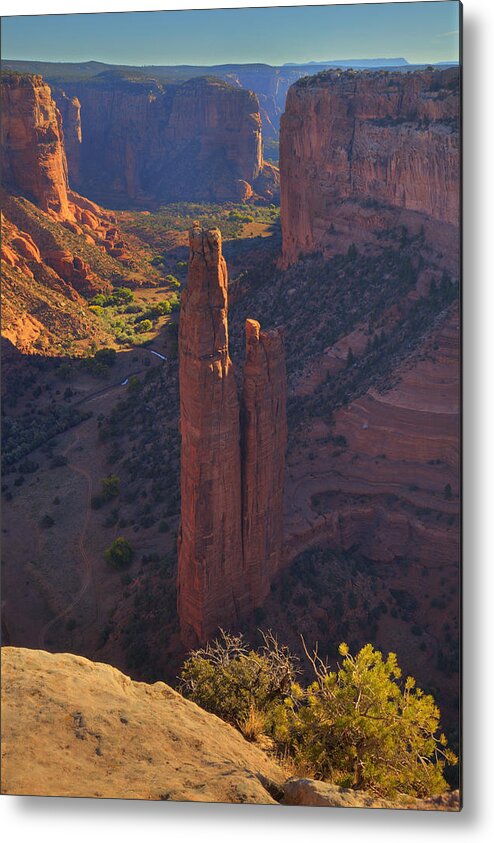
(146,141)
(358,147)
(232,465)
(33,155)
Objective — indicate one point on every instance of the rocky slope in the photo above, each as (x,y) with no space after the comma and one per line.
(71,727)
(232,465)
(364,153)
(144,141)
(57,246)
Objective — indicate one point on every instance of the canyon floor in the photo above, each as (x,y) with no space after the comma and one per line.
(371,503)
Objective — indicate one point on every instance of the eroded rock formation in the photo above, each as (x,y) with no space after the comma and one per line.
(363,153)
(210,541)
(52,238)
(230,538)
(143,140)
(264,441)
(33,155)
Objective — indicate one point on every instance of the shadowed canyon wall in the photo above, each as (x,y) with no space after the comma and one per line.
(361,153)
(230,538)
(146,141)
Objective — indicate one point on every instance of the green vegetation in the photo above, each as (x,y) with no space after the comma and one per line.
(120,295)
(120,554)
(24,433)
(358,726)
(127,320)
(110,489)
(159,228)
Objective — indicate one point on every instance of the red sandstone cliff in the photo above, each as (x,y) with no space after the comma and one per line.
(264,442)
(147,141)
(355,148)
(210,581)
(33,155)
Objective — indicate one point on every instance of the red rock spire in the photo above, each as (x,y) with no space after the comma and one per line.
(210,541)
(230,539)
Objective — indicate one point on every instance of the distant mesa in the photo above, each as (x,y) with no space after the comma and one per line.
(133,138)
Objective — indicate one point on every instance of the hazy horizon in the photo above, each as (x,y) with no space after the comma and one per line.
(421,32)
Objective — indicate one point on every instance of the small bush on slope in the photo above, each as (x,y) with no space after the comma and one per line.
(239,685)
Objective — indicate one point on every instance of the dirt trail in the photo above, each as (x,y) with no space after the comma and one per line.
(87,572)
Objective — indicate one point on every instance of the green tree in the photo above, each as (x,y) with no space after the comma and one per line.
(110,487)
(120,554)
(360,727)
(121,295)
(106,356)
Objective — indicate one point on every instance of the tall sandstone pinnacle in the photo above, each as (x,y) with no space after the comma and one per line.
(232,463)
(210,575)
(264,441)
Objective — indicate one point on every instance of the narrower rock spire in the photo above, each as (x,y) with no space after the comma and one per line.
(264,441)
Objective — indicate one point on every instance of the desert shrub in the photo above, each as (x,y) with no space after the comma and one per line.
(144,326)
(240,685)
(359,727)
(172,281)
(120,553)
(110,487)
(106,356)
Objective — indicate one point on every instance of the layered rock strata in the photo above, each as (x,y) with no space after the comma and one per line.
(356,147)
(264,442)
(232,470)
(33,156)
(143,140)
(52,238)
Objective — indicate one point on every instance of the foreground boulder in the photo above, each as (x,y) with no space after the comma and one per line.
(72,727)
(324,795)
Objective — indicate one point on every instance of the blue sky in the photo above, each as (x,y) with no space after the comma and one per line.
(419,32)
